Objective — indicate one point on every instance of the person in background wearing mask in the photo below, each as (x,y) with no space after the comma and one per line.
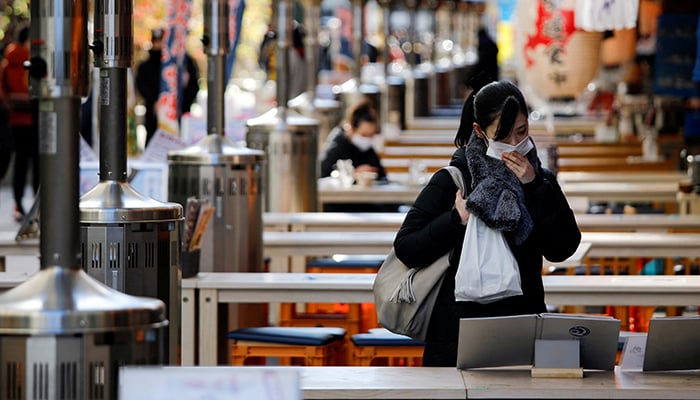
(509,191)
(352,140)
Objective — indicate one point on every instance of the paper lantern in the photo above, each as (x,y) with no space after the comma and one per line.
(557,59)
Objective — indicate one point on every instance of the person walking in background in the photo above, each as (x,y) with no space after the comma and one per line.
(23,117)
(509,191)
(148,80)
(267,59)
(6,142)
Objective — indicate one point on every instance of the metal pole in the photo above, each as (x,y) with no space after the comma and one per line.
(284,34)
(113,50)
(311,45)
(357,35)
(216,45)
(58,78)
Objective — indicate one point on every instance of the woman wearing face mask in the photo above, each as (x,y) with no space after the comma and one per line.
(510,191)
(353,141)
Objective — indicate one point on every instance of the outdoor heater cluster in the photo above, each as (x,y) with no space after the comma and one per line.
(63,334)
(226,175)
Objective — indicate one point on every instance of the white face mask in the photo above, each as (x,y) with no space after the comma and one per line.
(496,148)
(363,143)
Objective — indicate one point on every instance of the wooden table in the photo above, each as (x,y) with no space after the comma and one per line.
(603,244)
(618,176)
(9,246)
(288,251)
(349,221)
(215,288)
(433,383)
(17,270)
(504,383)
(664,192)
(639,191)
(313,382)
(329,193)
(570,126)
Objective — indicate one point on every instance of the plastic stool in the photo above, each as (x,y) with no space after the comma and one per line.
(316,346)
(382,344)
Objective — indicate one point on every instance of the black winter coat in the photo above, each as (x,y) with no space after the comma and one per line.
(432,228)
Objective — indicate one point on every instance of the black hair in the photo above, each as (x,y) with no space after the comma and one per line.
(23,35)
(362,112)
(487,101)
(157,34)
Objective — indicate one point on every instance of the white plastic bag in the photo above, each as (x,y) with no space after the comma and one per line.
(487,269)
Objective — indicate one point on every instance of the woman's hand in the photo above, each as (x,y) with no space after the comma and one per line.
(461,207)
(520,166)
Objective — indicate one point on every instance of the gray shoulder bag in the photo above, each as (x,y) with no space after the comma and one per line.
(404,297)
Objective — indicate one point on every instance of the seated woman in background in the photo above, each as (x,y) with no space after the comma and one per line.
(352,140)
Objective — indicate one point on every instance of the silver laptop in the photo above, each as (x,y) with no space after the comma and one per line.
(673,343)
(508,341)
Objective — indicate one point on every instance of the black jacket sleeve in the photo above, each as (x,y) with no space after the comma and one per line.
(556,232)
(429,231)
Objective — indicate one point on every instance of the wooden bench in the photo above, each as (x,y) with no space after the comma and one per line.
(314,346)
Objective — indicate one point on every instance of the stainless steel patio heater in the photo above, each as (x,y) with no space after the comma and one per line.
(216,170)
(128,241)
(63,334)
(289,139)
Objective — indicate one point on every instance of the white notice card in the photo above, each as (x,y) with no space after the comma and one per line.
(633,353)
(159,146)
(215,383)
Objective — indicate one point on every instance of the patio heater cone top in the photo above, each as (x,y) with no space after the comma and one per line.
(273,118)
(58,300)
(216,149)
(351,85)
(305,101)
(114,201)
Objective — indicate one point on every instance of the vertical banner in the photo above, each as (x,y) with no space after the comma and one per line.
(235,20)
(172,65)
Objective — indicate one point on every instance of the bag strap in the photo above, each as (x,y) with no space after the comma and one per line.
(457,178)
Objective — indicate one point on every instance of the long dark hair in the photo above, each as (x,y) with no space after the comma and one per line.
(487,101)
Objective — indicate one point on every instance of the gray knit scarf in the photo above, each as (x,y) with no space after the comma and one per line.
(497,196)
